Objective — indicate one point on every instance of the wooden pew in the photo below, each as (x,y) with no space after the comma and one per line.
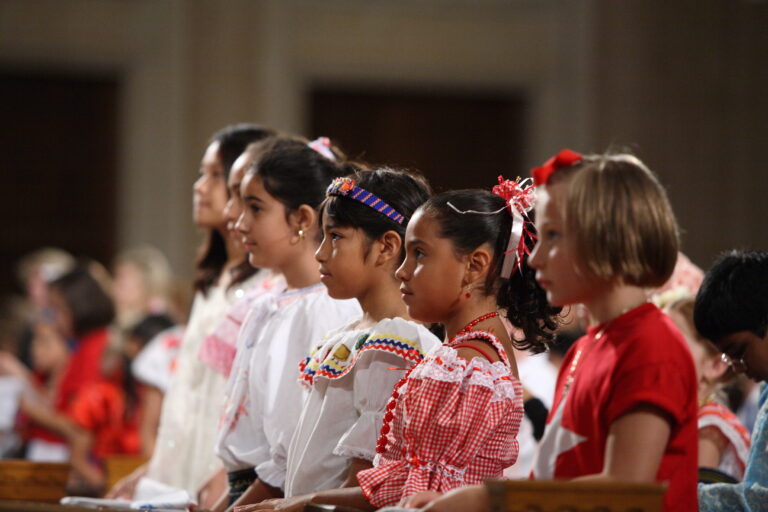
(565,496)
(119,466)
(22,480)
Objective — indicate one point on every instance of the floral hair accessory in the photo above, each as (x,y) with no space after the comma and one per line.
(347,187)
(520,195)
(323,146)
(565,158)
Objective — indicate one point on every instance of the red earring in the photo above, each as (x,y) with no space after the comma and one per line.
(468,295)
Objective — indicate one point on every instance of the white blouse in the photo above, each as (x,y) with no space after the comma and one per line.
(351,377)
(156,364)
(263,398)
(183,457)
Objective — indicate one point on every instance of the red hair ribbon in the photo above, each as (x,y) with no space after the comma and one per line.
(565,158)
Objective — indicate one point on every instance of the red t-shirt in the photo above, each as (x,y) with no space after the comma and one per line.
(101,409)
(641,358)
(83,369)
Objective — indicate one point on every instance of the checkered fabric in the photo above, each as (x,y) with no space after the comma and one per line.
(455,424)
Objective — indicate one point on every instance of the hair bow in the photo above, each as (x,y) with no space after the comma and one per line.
(323,146)
(565,158)
(520,196)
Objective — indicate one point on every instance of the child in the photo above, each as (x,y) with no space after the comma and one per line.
(218,348)
(351,375)
(625,405)
(452,420)
(732,310)
(188,418)
(625,401)
(112,409)
(281,193)
(723,440)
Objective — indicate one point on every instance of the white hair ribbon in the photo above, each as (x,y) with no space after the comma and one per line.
(520,195)
(323,146)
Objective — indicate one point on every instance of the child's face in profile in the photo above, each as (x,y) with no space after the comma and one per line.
(210,191)
(431,274)
(747,352)
(263,226)
(49,349)
(234,206)
(554,256)
(342,258)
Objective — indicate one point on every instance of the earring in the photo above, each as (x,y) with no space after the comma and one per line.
(467,294)
(301,234)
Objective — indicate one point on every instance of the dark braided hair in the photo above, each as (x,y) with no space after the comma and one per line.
(521,296)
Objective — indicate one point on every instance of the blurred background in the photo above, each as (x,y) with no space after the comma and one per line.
(107,104)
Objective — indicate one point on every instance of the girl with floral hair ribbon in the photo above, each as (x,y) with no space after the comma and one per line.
(624,408)
(453,418)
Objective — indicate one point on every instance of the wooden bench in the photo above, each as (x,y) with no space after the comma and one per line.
(22,480)
(565,496)
(119,466)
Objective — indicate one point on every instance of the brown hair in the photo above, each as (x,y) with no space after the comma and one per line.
(622,219)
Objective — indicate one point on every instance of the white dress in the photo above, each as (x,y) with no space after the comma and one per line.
(183,457)
(351,377)
(263,398)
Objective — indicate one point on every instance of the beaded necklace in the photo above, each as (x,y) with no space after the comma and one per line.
(381,444)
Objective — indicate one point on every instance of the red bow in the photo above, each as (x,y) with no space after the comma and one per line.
(565,158)
(516,193)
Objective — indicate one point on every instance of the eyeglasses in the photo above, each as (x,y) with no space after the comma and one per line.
(738,365)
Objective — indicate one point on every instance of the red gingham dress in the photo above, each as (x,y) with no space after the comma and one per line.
(455,424)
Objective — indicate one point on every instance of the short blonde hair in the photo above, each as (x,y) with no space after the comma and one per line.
(623,223)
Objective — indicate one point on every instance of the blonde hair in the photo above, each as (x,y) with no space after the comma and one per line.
(623,223)
(155,269)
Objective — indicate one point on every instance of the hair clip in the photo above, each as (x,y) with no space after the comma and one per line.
(323,146)
(565,158)
(347,187)
(520,196)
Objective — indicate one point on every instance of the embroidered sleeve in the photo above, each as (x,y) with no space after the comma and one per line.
(375,376)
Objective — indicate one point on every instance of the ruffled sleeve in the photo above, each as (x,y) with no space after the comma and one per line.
(374,379)
(380,360)
(455,424)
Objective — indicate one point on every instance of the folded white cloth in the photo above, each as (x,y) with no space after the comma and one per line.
(152,495)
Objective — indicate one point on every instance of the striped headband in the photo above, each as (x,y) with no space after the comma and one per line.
(347,187)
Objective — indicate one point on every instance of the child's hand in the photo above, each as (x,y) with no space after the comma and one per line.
(126,486)
(295,504)
(420,499)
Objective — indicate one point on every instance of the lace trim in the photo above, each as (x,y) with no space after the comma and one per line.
(445,365)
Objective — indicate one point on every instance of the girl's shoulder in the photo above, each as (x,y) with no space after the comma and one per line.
(446,364)
(473,344)
(346,347)
(315,298)
(406,331)
(449,371)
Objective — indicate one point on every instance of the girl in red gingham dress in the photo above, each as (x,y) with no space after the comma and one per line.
(453,418)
